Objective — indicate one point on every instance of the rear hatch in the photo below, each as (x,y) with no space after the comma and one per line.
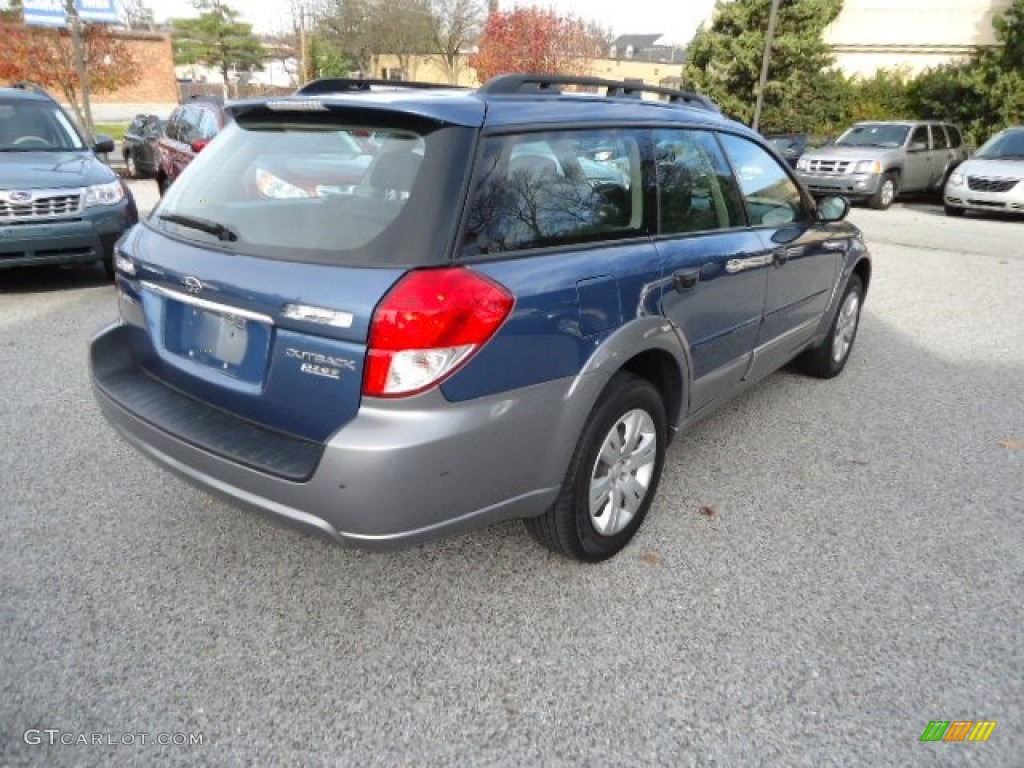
(252,286)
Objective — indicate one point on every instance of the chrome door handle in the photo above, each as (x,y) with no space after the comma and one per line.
(732,266)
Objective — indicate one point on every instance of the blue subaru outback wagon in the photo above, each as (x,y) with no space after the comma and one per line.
(390,313)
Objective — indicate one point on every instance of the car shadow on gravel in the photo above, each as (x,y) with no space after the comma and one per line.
(46,279)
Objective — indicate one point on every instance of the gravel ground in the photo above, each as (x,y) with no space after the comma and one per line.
(860,576)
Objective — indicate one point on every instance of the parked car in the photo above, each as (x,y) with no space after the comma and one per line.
(189,129)
(790,145)
(992,180)
(59,204)
(481,327)
(877,161)
(139,148)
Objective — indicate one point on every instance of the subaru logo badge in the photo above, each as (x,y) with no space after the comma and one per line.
(192,284)
(20,197)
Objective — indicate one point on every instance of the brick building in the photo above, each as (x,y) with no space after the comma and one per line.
(155,91)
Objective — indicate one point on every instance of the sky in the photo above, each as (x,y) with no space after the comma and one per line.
(677,21)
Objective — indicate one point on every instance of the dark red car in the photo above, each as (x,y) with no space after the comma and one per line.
(189,129)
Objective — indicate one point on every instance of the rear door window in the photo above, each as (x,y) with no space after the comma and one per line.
(939,138)
(955,139)
(545,189)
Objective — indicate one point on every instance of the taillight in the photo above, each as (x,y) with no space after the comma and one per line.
(428,325)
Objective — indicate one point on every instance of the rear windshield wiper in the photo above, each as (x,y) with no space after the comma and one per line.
(218,230)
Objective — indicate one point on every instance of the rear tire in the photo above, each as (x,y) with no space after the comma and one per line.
(613,475)
(828,359)
(885,193)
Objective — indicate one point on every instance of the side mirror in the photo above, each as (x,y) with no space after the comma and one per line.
(917,146)
(833,208)
(198,145)
(102,144)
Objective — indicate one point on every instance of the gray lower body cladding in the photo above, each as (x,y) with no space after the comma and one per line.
(400,471)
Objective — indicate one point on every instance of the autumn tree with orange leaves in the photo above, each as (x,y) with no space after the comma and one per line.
(534,40)
(46,57)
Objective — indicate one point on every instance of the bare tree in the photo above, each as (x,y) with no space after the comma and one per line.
(136,14)
(403,28)
(457,25)
(346,25)
(365,29)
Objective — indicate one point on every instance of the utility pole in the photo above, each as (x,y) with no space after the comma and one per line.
(78,47)
(773,19)
(303,66)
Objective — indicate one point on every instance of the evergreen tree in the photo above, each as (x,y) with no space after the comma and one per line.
(724,62)
(217,39)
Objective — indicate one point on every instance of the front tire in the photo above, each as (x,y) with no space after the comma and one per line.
(885,193)
(952,210)
(613,475)
(828,359)
(130,166)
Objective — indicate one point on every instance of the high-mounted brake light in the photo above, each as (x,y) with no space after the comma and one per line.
(428,325)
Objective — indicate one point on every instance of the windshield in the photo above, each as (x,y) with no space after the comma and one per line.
(1003,146)
(784,143)
(874,135)
(27,125)
(313,191)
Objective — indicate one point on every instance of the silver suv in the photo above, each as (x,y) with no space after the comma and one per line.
(878,160)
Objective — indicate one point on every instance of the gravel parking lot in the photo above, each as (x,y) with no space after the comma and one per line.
(860,576)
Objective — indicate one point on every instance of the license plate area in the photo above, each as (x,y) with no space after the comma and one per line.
(232,345)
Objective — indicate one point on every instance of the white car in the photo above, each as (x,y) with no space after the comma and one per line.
(991,180)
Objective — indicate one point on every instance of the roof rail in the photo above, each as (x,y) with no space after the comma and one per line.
(28,85)
(614,89)
(356,85)
(206,98)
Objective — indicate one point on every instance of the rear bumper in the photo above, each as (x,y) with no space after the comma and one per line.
(399,472)
(88,238)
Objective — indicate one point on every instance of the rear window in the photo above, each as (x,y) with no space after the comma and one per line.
(318,190)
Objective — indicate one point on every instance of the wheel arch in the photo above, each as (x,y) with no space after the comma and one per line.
(660,369)
(862,269)
(653,349)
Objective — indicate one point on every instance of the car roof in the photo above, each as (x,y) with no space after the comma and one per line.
(504,102)
(902,122)
(23,95)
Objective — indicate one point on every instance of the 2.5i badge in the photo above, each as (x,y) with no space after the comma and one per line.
(315,364)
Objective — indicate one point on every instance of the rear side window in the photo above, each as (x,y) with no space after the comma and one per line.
(696,189)
(545,189)
(309,190)
(955,139)
(188,124)
(208,125)
(939,140)
(772,197)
